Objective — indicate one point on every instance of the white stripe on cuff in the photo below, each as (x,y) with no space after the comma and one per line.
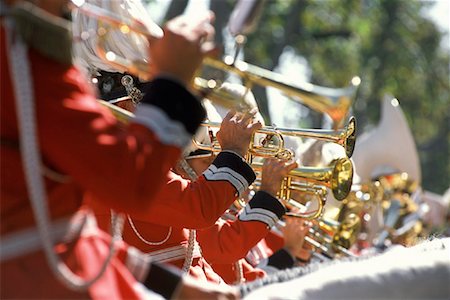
(169,132)
(258,214)
(224,173)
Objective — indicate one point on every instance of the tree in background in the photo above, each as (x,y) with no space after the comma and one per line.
(390,44)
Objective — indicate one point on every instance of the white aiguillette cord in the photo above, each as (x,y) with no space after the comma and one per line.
(23,87)
(192,233)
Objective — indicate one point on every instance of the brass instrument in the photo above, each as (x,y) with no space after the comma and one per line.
(272,145)
(313,182)
(338,177)
(334,238)
(402,213)
(121,114)
(356,211)
(348,231)
(334,102)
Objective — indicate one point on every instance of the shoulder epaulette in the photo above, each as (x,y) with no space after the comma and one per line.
(48,34)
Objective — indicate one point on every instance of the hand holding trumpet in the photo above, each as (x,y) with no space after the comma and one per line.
(237,130)
(274,170)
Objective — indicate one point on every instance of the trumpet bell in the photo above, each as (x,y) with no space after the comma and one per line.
(342,178)
(334,102)
(338,178)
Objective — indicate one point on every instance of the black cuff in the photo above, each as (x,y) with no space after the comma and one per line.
(162,279)
(228,166)
(263,208)
(236,163)
(281,259)
(266,201)
(177,102)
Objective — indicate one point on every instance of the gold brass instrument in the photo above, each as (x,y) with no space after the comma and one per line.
(334,102)
(312,181)
(333,237)
(402,214)
(121,114)
(348,231)
(272,145)
(338,177)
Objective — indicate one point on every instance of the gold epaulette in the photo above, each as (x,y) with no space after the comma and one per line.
(48,34)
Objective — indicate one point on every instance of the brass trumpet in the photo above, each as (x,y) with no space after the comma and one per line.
(272,145)
(335,102)
(296,208)
(334,238)
(338,176)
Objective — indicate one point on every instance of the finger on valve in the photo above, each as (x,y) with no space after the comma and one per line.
(235,134)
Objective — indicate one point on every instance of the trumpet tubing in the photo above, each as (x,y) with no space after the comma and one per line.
(334,102)
(338,176)
(266,147)
(121,114)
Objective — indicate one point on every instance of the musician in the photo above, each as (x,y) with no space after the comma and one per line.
(165,233)
(226,244)
(143,232)
(81,150)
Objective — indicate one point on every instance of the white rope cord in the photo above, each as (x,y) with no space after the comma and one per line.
(190,251)
(147,241)
(239,272)
(192,233)
(23,87)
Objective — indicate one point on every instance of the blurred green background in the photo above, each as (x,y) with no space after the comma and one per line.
(393,45)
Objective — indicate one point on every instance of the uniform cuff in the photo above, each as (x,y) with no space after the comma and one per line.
(281,259)
(177,102)
(264,208)
(163,280)
(230,167)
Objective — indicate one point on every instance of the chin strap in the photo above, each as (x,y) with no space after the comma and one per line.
(23,87)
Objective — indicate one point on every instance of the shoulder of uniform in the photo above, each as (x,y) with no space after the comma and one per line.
(48,34)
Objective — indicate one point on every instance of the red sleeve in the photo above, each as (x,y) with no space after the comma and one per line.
(121,166)
(185,204)
(228,241)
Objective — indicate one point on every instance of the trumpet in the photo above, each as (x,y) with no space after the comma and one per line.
(334,102)
(338,176)
(334,238)
(296,208)
(272,145)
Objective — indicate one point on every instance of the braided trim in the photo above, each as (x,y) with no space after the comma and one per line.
(23,88)
(169,233)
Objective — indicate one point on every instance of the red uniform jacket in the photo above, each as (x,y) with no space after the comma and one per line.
(90,153)
(228,242)
(183,205)
(269,254)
